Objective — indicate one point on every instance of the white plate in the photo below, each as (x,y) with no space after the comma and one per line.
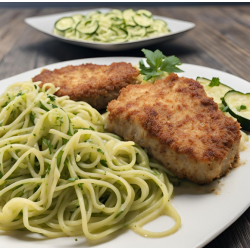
(205,213)
(46,25)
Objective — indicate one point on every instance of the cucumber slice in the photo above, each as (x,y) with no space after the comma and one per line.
(239,107)
(77,18)
(64,24)
(136,31)
(128,17)
(145,13)
(117,12)
(142,20)
(87,27)
(216,92)
(93,14)
(160,22)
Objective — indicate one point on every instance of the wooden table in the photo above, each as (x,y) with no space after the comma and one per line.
(220,40)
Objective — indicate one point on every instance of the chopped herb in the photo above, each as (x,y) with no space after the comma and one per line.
(80,186)
(1,174)
(48,144)
(69,132)
(104,163)
(35,86)
(54,106)
(119,214)
(99,150)
(5,105)
(52,98)
(32,117)
(65,141)
(90,128)
(241,107)
(20,93)
(1,124)
(158,64)
(76,239)
(34,134)
(43,107)
(59,158)
(214,82)
(72,179)
(88,140)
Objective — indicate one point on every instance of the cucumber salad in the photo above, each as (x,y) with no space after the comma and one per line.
(113,27)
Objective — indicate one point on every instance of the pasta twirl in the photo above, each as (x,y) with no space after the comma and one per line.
(62,175)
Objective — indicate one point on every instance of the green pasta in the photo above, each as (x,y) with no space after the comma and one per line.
(62,175)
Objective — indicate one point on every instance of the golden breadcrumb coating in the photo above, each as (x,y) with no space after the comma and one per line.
(95,84)
(179,125)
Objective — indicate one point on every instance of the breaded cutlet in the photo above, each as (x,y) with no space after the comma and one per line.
(178,125)
(94,84)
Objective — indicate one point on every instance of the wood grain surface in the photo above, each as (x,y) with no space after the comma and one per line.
(220,40)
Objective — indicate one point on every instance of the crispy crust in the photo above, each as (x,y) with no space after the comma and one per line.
(176,116)
(95,84)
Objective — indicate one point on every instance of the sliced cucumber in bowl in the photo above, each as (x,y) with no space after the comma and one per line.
(64,24)
(87,27)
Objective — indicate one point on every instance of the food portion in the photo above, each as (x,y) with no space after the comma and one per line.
(215,89)
(114,26)
(61,175)
(237,104)
(91,83)
(179,125)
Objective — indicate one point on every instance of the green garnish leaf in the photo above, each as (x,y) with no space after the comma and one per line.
(99,150)
(43,107)
(104,163)
(32,118)
(242,107)
(19,93)
(64,141)
(5,104)
(80,186)
(48,144)
(119,214)
(59,158)
(52,98)
(54,106)
(158,64)
(35,86)
(90,128)
(1,174)
(214,82)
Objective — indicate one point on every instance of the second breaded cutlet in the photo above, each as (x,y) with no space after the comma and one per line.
(179,125)
(94,84)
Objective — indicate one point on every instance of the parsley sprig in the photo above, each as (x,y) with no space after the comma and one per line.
(214,82)
(158,64)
